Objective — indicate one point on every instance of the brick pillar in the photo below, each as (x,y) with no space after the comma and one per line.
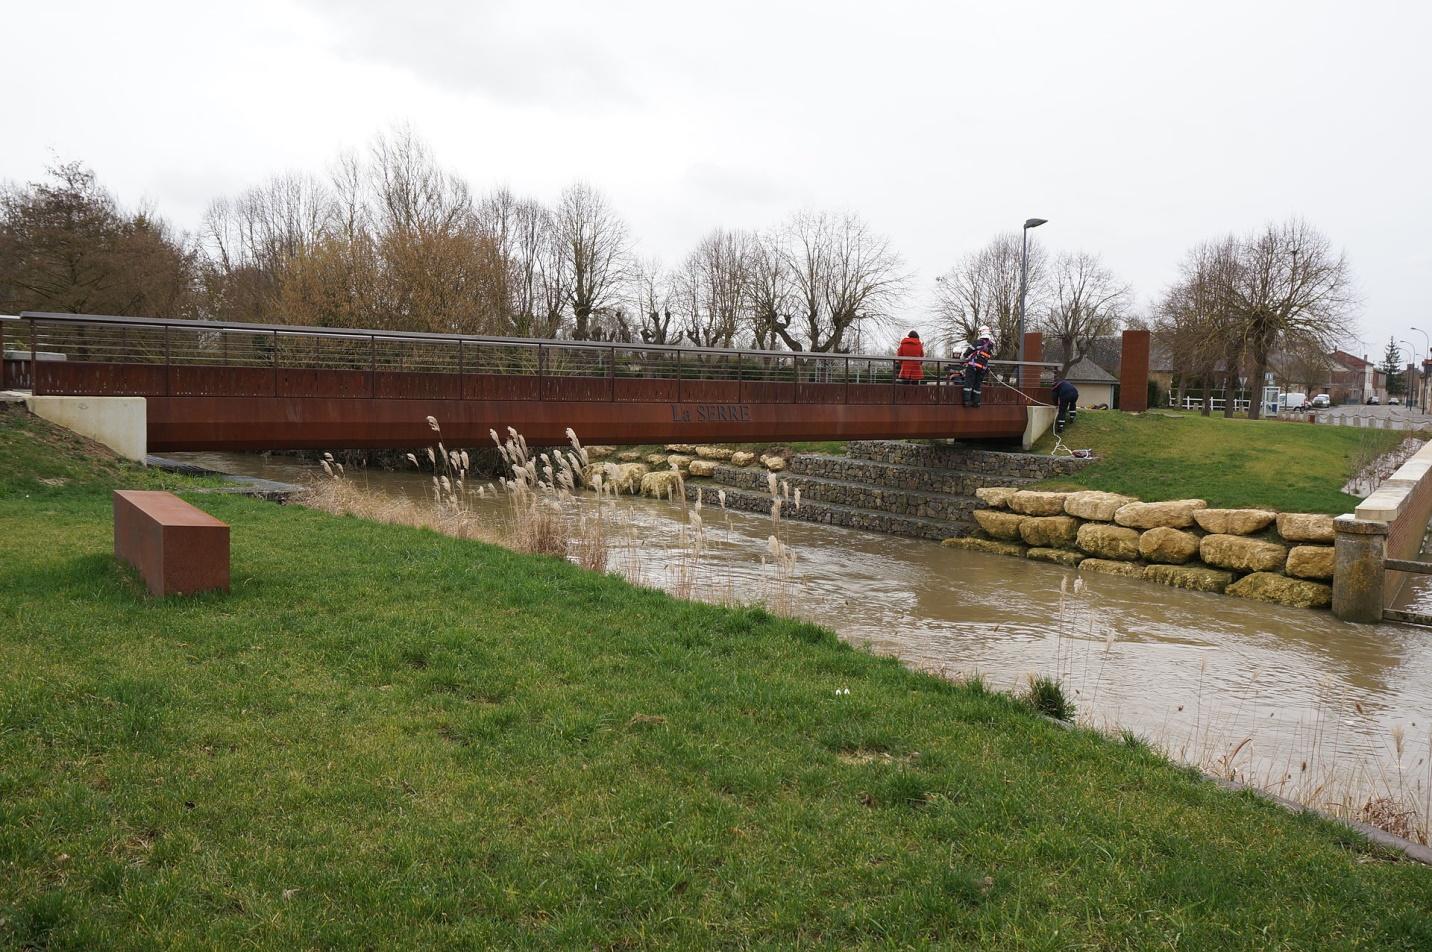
(1134,372)
(1358,570)
(1033,350)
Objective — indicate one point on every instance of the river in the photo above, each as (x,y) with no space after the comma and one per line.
(1304,699)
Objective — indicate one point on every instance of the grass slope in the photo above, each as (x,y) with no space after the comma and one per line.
(1292,467)
(384,738)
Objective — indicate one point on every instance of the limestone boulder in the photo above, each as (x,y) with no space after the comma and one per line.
(1311,561)
(1233,521)
(680,448)
(678,461)
(1057,556)
(655,460)
(629,456)
(1049,531)
(741,458)
(625,477)
(774,463)
(1171,546)
(1033,502)
(1189,576)
(995,496)
(1272,587)
(661,483)
(1096,506)
(715,452)
(702,467)
(1242,554)
(992,546)
(1305,527)
(1000,525)
(1111,567)
(1174,514)
(595,453)
(1108,542)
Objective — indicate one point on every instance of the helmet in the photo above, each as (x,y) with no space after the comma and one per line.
(984,331)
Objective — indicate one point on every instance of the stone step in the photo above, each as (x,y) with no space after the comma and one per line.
(900,475)
(945,507)
(963,458)
(831,514)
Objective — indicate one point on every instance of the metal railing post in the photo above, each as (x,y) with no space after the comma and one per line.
(168,370)
(275,363)
(372,366)
(34,371)
(678,375)
(612,374)
(541,381)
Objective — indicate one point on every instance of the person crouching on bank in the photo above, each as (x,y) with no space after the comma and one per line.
(1066,396)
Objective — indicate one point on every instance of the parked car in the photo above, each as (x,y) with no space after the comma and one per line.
(1321,401)
(1372,400)
(1394,402)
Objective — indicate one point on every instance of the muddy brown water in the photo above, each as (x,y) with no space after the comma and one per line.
(1318,701)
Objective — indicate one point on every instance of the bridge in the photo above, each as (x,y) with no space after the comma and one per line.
(234,386)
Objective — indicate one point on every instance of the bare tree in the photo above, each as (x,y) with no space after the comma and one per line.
(652,304)
(594,258)
(983,289)
(769,290)
(1196,322)
(1291,289)
(841,276)
(532,276)
(713,291)
(1086,302)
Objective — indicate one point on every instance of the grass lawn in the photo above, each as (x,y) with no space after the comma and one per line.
(1292,467)
(385,738)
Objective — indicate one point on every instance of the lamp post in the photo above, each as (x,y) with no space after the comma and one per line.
(1024,277)
(1426,354)
(1411,362)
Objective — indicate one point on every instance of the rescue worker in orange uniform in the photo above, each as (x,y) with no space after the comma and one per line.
(911,371)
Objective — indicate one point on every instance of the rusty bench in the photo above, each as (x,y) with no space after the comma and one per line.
(178,549)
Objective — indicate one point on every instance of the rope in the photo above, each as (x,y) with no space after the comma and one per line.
(1059,448)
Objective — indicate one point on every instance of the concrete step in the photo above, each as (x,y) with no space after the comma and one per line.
(899,475)
(944,507)
(850,517)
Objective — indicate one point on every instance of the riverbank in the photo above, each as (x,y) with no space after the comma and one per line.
(1230,463)
(387,737)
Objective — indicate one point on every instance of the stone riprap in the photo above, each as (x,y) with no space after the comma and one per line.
(992,546)
(1180,542)
(715,452)
(742,458)
(701,467)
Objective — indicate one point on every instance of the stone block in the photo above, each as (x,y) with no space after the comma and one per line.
(1064,557)
(1033,502)
(1111,567)
(656,460)
(1049,531)
(1109,542)
(774,463)
(1271,587)
(1305,527)
(680,448)
(1096,506)
(996,496)
(715,452)
(595,453)
(1311,561)
(1175,514)
(742,458)
(991,546)
(1233,521)
(1191,577)
(629,456)
(1001,525)
(678,461)
(1172,546)
(701,467)
(1242,554)
(661,483)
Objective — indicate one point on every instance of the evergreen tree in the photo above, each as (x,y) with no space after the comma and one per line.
(1392,366)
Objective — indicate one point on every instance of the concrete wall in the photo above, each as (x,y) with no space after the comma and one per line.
(1389,524)
(117,422)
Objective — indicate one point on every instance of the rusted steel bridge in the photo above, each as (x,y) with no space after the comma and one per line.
(254,386)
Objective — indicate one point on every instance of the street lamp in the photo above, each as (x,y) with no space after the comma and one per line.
(1024,278)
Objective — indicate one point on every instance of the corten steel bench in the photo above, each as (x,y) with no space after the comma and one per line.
(178,549)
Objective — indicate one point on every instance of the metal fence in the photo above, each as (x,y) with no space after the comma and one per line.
(99,355)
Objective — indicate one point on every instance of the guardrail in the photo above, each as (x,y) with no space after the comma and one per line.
(128,356)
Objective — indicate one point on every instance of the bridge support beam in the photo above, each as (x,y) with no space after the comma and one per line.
(1040,419)
(118,422)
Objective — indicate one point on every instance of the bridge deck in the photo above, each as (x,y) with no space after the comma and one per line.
(247,386)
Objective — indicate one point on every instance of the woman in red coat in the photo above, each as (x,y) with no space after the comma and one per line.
(911,371)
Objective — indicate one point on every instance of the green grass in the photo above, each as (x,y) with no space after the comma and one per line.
(1291,467)
(384,738)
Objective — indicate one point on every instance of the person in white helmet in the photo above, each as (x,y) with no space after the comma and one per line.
(977,357)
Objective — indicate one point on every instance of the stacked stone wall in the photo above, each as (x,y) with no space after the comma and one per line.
(1285,558)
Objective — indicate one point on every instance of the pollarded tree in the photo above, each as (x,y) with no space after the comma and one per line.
(593,252)
(1195,320)
(712,290)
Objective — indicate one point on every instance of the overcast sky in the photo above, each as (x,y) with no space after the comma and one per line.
(1138,129)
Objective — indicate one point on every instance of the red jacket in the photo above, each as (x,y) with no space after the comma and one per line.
(911,369)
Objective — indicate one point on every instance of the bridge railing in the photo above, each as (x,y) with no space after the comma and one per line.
(97,355)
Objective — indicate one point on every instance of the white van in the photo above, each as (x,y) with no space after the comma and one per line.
(1292,401)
